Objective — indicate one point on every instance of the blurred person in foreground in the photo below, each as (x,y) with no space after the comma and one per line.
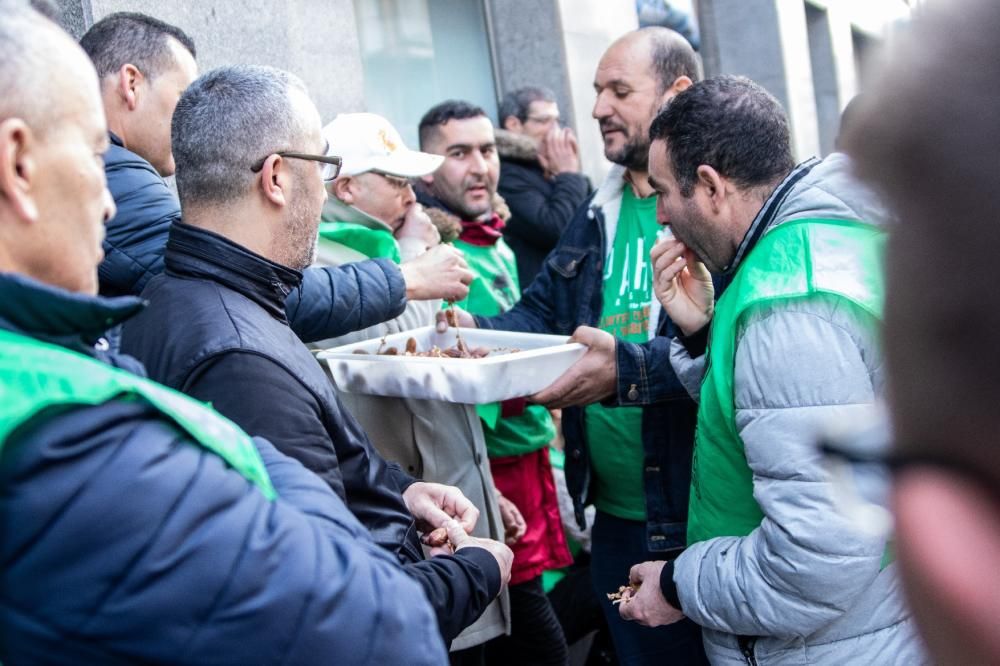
(372,212)
(773,571)
(540,176)
(627,420)
(137,525)
(929,140)
(144,65)
(216,327)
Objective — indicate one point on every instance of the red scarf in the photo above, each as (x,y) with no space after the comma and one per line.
(482,233)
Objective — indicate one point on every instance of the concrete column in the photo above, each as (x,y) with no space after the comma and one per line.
(767,41)
(831,48)
(589,27)
(527,45)
(315,39)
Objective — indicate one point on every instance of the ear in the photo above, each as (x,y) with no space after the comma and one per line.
(712,185)
(343,189)
(129,80)
(680,84)
(513,124)
(275,180)
(18,168)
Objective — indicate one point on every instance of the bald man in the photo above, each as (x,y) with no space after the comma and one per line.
(633,461)
(136,525)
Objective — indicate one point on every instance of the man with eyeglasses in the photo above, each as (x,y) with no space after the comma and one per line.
(540,176)
(372,212)
(138,525)
(216,326)
(773,572)
(144,65)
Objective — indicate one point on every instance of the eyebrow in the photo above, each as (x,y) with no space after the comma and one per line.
(469,146)
(612,84)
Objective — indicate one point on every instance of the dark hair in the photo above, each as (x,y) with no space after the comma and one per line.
(130,37)
(452,109)
(517,102)
(671,57)
(729,123)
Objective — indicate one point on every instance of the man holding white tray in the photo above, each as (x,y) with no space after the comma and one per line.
(627,421)
(372,213)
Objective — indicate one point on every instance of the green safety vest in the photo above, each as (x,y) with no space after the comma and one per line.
(798,259)
(35,375)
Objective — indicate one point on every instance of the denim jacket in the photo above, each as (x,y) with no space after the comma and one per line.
(568,293)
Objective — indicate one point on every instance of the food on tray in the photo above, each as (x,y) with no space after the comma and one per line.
(436,538)
(619,596)
(459,350)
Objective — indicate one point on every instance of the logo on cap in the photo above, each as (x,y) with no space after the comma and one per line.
(389,144)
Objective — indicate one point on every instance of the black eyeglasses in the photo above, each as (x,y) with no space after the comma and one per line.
(331,163)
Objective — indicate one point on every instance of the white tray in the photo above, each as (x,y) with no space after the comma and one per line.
(540,361)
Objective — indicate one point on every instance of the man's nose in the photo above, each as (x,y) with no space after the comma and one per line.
(409,196)
(478,162)
(601,107)
(109,206)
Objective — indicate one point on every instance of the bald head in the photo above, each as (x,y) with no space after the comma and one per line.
(53,197)
(666,54)
(636,76)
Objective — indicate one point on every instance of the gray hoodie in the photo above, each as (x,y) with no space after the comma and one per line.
(806,584)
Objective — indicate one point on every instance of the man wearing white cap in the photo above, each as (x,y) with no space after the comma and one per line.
(372,213)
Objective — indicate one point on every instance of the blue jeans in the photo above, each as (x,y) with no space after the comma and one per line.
(617,545)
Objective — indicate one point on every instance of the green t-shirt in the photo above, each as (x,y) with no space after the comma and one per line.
(493,291)
(614,435)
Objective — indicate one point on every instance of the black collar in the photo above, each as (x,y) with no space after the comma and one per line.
(193,252)
(54,315)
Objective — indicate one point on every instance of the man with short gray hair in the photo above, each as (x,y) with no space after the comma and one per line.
(144,65)
(216,327)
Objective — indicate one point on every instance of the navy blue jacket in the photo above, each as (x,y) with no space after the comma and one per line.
(567,293)
(215,329)
(122,541)
(331,301)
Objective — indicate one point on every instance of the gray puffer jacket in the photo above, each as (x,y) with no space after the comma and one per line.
(806,586)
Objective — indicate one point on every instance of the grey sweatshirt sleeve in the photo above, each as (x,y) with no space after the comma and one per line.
(798,366)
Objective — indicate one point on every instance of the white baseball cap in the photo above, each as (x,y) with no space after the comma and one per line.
(367,142)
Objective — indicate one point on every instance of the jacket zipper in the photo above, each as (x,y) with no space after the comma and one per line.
(747,645)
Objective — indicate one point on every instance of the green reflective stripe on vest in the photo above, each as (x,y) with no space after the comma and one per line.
(799,259)
(35,375)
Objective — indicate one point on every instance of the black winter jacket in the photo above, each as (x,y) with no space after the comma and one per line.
(122,541)
(329,303)
(216,329)
(540,208)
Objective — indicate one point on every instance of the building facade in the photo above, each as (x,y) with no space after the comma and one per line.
(399,57)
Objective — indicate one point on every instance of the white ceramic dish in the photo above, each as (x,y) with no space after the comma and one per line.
(504,374)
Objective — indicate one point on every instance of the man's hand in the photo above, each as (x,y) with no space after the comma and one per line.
(559,152)
(446,318)
(592,378)
(683,285)
(647,605)
(503,555)
(417,225)
(441,272)
(514,526)
(434,504)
